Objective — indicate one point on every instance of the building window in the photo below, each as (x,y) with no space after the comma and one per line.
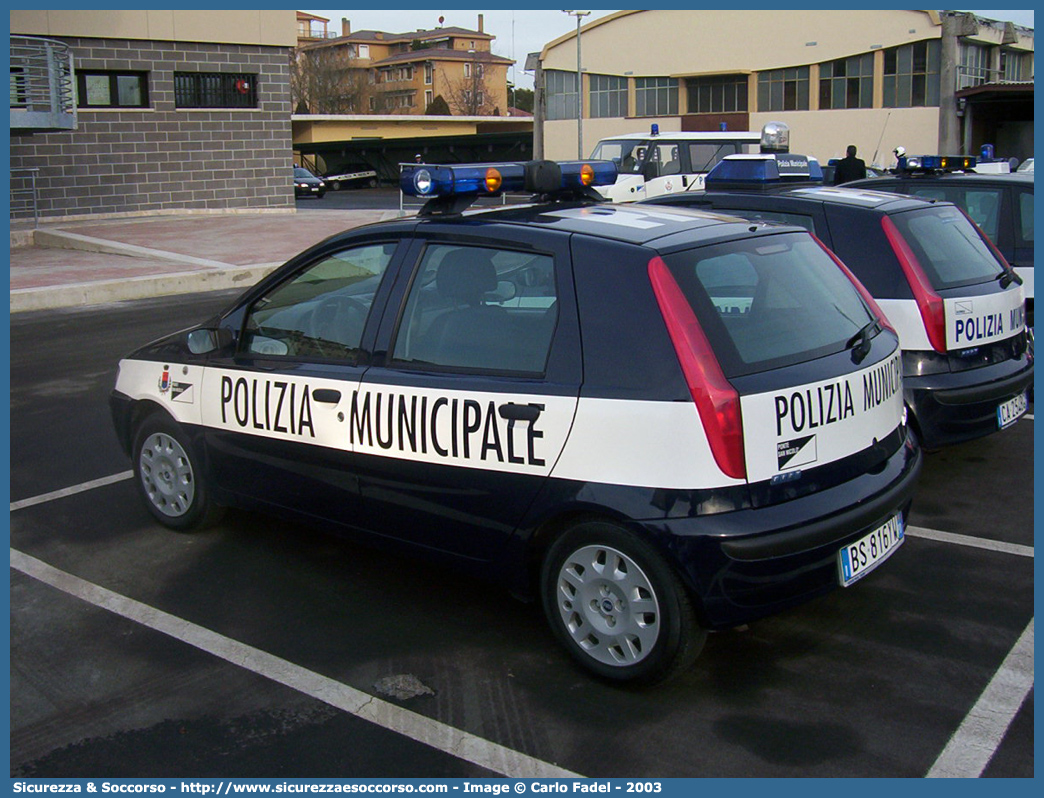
(975,66)
(847,83)
(429,74)
(429,97)
(783,89)
(561,94)
(364,51)
(98,89)
(911,75)
(721,94)
(1013,66)
(214,90)
(655,96)
(608,96)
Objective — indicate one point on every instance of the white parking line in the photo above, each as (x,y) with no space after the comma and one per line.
(58,494)
(966,755)
(440,736)
(976,740)
(969,540)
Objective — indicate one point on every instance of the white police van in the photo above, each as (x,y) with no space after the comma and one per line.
(958,307)
(651,164)
(659,422)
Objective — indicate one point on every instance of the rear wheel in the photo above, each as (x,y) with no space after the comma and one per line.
(169,478)
(617,606)
(336,185)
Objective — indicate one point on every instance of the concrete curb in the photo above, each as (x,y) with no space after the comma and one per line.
(105,291)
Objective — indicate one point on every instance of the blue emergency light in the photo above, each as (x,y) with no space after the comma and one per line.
(933,163)
(764,170)
(493,179)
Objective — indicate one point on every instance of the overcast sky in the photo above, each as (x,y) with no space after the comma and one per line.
(518,32)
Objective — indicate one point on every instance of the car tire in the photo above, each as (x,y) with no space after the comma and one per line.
(336,185)
(321,195)
(372,182)
(618,607)
(168,475)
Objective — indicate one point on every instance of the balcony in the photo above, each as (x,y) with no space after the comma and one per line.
(43,88)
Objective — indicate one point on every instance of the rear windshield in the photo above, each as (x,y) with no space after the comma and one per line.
(769,301)
(949,249)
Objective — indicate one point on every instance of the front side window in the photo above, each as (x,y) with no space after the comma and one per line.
(656,96)
(97,89)
(769,301)
(321,312)
(783,89)
(608,96)
(847,83)
(911,75)
(479,309)
(1024,233)
(948,248)
(717,95)
(215,90)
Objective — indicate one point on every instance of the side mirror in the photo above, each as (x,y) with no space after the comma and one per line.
(204,341)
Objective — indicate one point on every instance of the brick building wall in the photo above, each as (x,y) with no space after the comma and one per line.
(161,157)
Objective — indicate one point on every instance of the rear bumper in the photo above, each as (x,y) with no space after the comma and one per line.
(755,562)
(951,408)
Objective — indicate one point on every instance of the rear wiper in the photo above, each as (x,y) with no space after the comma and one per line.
(1007,277)
(860,342)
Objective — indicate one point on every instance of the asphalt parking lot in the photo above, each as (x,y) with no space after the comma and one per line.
(262,648)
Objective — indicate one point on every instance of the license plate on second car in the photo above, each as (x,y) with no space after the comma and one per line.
(1010,411)
(858,559)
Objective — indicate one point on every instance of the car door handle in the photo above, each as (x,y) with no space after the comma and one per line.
(513,412)
(326,395)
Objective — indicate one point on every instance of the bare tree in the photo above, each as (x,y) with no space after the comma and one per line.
(471,95)
(324,80)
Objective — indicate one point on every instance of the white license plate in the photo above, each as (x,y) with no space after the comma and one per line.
(858,559)
(1009,412)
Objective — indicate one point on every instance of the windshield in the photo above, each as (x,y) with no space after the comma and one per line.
(949,249)
(299,172)
(622,152)
(769,301)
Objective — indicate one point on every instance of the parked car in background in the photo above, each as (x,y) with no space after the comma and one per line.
(351,175)
(958,307)
(1000,204)
(307,185)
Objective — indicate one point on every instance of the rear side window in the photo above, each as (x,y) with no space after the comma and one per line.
(769,301)
(479,309)
(948,247)
(1025,218)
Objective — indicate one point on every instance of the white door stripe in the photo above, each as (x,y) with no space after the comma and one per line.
(58,494)
(976,740)
(968,540)
(455,742)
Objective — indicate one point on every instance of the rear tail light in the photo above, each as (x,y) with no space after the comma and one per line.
(928,301)
(716,400)
(870,302)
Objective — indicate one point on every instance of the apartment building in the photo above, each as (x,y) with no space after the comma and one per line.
(377,72)
(928,80)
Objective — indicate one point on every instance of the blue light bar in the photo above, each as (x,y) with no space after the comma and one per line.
(930,163)
(493,179)
(766,169)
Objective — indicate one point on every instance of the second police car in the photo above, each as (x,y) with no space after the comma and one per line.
(659,422)
(958,307)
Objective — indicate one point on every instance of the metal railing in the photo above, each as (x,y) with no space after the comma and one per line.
(25,202)
(968,76)
(43,85)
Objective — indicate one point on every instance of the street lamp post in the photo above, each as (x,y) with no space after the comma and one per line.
(579,85)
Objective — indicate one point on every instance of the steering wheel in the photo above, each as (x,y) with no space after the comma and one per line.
(340,319)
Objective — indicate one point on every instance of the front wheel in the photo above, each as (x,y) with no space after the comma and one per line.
(169,478)
(618,607)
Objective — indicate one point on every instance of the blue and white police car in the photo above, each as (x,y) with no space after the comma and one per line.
(660,422)
(957,305)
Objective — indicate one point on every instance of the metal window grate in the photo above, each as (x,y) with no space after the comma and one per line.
(215,90)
